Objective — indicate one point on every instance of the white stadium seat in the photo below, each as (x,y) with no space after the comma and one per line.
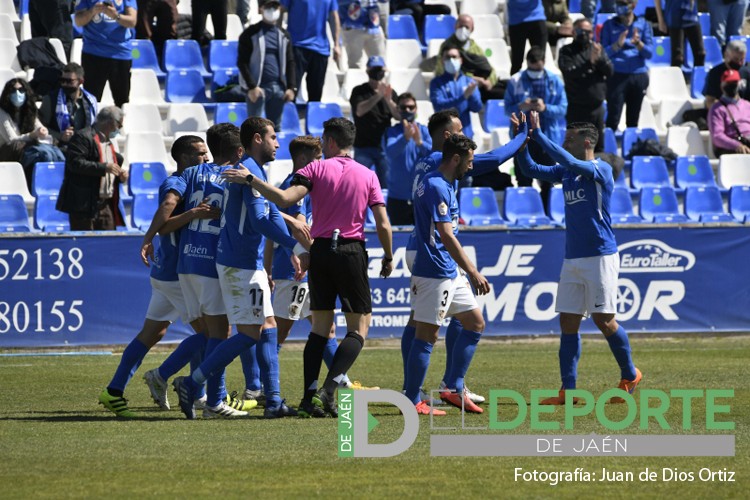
(734,170)
(403,54)
(13,181)
(189,117)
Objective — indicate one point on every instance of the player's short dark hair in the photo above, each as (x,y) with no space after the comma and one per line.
(535,54)
(440,121)
(458,145)
(406,96)
(250,127)
(214,135)
(341,130)
(303,144)
(184,145)
(72,67)
(587,130)
(230,142)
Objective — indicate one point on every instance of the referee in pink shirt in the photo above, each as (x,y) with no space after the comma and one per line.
(341,190)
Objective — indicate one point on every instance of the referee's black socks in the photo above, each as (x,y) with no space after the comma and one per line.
(312,358)
(346,354)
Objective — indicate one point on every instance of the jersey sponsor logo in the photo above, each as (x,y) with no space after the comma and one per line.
(196,251)
(653,256)
(354,11)
(574,196)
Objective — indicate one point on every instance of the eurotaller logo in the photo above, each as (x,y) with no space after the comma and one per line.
(510,409)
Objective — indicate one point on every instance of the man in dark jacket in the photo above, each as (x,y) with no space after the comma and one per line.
(266,62)
(90,190)
(585,68)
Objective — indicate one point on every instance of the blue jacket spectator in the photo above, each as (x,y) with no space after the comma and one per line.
(629,42)
(526,21)
(453,89)
(106,45)
(680,20)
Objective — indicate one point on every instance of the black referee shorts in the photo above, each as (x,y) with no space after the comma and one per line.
(341,273)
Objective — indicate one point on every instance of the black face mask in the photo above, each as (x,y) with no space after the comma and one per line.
(582,38)
(376,74)
(734,65)
(70,91)
(730,89)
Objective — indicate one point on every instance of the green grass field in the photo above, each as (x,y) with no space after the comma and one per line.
(56,442)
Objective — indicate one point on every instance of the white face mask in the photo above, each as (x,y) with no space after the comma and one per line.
(463,34)
(535,75)
(452,65)
(271,15)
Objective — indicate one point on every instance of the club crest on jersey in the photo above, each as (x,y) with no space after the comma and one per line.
(256,193)
(441,315)
(293,309)
(443,209)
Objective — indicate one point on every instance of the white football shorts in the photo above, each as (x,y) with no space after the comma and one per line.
(433,300)
(202,296)
(291,299)
(588,285)
(246,294)
(167,302)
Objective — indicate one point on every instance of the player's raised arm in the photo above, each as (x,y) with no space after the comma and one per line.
(488,162)
(580,166)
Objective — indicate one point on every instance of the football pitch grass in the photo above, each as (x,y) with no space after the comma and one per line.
(57,442)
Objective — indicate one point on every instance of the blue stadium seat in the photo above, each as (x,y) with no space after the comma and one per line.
(641,6)
(739,203)
(574,6)
(402,27)
(621,207)
(47,178)
(649,171)
(659,204)
(146,177)
(13,215)
(221,78)
(284,140)
(290,122)
(318,113)
(144,207)
(693,171)
(621,180)
(478,206)
(440,27)
(144,57)
(232,112)
(704,18)
(23,8)
(632,134)
(523,207)
(222,55)
(46,216)
(610,142)
(603,17)
(494,115)
(698,81)
(557,205)
(703,204)
(184,54)
(662,53)
(714,55)
(185,86)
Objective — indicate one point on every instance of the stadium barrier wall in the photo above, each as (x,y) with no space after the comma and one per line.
(73,290)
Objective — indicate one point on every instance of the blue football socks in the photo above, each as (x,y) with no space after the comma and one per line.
(464,348)
(620,347)
(330,351)
(250,368)
(268,360)
(451,334)
(570,353)
(182,355)
(132,357)
(406,340)
(417,364)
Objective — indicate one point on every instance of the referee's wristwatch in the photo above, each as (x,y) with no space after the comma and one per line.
(249,179)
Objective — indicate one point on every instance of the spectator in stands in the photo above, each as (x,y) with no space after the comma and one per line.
(218,10)
(266,62)
(475,64)
(90,190)
(629,42)
(734,58)
(307,28)
(727,17)
(157,21)
(559,24)
(679,18)
(70,108)
(106,48)
(537,89)
(51,18)
(526,21)
(588,7)
(23,138)
(404,144)
(585,68)
(360,21)
(729,118)
(418,9)
(373,106)
(454,89)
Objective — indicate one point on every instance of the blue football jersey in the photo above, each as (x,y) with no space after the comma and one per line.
(166,257)
(282,266)
(434,201)
(199,238)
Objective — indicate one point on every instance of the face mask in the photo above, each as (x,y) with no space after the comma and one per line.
(623,10)
(70,91)
(113,135)
(734,65)
(730,89)
(534,74)
(409,116)
(463,34)
(452,65)
(18,98)
(271,15)
(376,74)
(582,37)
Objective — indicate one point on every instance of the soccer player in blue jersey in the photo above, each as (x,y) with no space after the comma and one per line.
(442,125)
(246,220)
(588,280)
(438,289)
(167,303)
